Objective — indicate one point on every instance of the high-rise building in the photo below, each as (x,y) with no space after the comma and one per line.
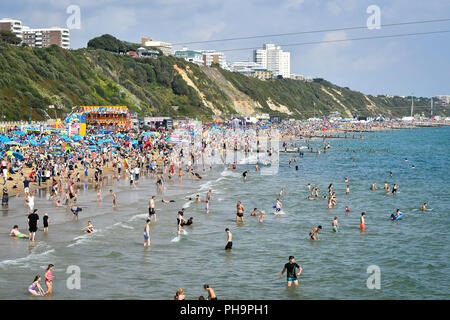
(44,37)
(15,26)
(274,59)
(165,47)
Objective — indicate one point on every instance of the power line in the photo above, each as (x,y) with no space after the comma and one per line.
(344,40)
(311,31)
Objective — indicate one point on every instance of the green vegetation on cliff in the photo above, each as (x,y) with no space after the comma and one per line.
(38,77)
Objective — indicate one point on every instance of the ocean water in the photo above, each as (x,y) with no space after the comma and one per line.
(412,254)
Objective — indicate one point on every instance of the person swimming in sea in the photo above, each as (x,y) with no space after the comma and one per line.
(373,187)
(424,207)
(394,188)
(253,213)
(189,222)
(396,214)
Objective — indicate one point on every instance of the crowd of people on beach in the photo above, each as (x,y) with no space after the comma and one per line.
(60,163)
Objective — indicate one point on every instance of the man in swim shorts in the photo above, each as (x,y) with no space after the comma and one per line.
(240,212)
(229,243)
(292,276)
(335,224)
(362,221)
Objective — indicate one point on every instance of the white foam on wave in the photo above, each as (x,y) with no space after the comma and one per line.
(187,205)
(30,257)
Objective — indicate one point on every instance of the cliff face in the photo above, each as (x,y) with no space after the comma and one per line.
(33,77)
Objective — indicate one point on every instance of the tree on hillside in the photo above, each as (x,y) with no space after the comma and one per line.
(109,43)
(9,37)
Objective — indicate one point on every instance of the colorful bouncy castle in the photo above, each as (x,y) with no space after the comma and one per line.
(114,118)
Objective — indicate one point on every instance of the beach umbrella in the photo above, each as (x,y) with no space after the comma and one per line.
(119,135)
(17,155)
(19,133)
(32,142)
(13,143)
(134,141)
(77,138)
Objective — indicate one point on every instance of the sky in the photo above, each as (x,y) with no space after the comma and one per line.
(416,65)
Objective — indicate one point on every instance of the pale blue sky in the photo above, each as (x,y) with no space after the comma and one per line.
(418,64)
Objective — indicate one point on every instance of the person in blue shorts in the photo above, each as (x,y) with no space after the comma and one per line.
(291,267)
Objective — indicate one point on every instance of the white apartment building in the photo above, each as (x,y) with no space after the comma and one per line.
(44,37)
(165,47)
(194,56)
(13,25)
(274,59)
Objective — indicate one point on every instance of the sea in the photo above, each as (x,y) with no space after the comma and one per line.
(405,259)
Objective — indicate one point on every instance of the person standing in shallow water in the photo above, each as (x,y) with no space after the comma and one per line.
(147,233)
(239,212)
(335,224)
(362,222)
(211,293)
(291,267)
(229,243)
